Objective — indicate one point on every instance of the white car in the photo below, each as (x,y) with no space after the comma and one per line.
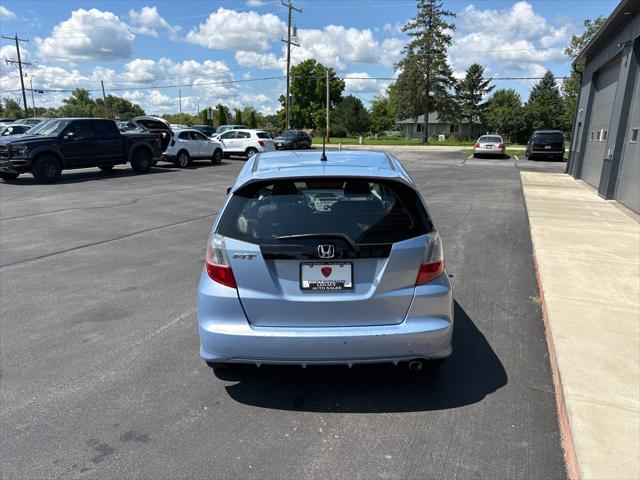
(189,144)
(246,142)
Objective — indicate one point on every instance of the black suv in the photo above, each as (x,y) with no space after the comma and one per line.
(65,143)
(546,143)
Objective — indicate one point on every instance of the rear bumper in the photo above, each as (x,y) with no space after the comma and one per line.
(226,336)
(488,151)
(546,152)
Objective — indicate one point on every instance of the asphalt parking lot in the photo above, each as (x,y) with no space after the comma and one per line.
(100,374)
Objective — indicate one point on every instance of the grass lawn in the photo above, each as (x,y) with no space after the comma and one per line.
(399,141)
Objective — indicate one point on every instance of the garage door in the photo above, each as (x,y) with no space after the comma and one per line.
(628,187)
(605,82)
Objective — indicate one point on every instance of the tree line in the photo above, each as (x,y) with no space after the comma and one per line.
(425,84)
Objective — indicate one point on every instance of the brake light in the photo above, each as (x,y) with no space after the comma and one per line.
(477,145)
(433,260)
(501,145)
(217,262)
(261,143)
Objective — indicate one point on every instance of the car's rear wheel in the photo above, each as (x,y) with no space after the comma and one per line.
(106,168)
(46,169)
(183,160)
(251,152)
(141,161)
(8,175)
(216,159)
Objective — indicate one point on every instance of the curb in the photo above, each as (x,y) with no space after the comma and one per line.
(568,448)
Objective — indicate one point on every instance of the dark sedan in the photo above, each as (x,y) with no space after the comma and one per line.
(293,140)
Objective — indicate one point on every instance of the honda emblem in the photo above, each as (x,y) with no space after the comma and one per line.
(326,251)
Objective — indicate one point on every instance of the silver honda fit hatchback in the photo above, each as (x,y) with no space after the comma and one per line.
(332,261)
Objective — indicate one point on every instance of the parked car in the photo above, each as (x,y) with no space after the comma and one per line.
(546,143)
(7,120)
(206,129)
(13,129)
(66,143)
(489,145)
(190,144)
(223,128)
(293,140)
(334,265)
(32,121)
(246,142)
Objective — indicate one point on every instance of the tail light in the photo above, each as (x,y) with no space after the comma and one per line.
(477,145)
(217,262)
(433,260)
(261,143)
(501,145)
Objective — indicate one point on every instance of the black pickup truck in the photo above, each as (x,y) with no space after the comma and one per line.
(66,143)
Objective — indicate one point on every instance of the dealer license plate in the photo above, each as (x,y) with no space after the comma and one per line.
(326,276)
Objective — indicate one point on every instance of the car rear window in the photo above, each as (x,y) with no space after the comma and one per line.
(263,135)
(548,137)
(367,211)
(490,139)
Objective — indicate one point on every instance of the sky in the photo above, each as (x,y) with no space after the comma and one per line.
(204,52)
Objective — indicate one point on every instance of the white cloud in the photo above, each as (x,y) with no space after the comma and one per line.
(263,61)
(231,30)
(337,46)
(514,38)
(87,35)
(362,83)
(6,14)
(255,3)
(147,21)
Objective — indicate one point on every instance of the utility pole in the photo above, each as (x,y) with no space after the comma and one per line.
(104,100)
(20,63)
(328,100)
(289,43)
(33,102)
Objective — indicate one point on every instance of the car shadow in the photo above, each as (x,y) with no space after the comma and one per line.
(195,164)
(93,175)
(469,375)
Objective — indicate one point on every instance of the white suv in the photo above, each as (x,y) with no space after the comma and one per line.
(189,144)
(246,142)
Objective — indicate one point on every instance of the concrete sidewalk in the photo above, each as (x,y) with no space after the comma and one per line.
(588,256)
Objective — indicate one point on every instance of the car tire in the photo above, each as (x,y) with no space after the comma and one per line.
(106,168)
(183,160)
(251,152)
(8,176)
(216,159)
(141,162)
(46,169)
(531,157)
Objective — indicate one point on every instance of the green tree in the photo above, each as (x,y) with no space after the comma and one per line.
(253,119)
(504,113)
(222,114)
(79,104)
(426,79)
(383,114)
(469,94)
(571,85)
(238,117)
(123,107)
(9,108)
(351,114)
(308,91)
(545,107)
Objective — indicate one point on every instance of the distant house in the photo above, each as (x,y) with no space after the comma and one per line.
(414,127)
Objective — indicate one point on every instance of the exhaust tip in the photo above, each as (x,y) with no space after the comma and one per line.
(416,365)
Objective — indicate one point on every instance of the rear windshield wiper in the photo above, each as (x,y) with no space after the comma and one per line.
(341,236)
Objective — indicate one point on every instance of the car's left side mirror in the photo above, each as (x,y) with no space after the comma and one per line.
(228,190)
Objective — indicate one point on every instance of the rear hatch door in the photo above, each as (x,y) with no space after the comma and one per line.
(302,258)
